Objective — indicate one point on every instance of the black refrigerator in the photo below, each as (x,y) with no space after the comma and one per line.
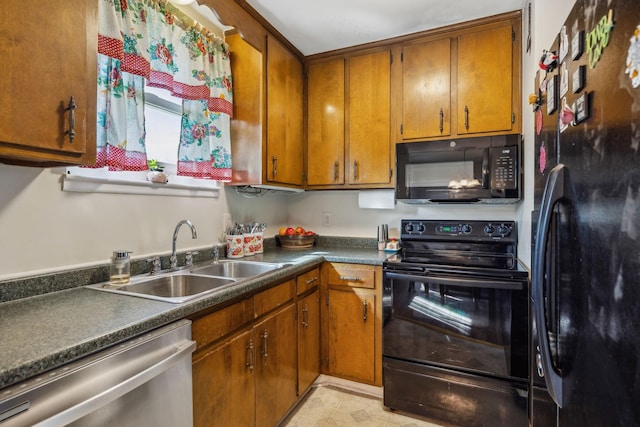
(586,237)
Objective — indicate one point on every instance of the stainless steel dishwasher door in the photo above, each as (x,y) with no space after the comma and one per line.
(145,381)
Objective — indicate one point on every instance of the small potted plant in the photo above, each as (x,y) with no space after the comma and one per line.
(156,172)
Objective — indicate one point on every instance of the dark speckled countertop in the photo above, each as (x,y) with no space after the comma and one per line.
(43,332)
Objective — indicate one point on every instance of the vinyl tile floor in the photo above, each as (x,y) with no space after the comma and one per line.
(328,406)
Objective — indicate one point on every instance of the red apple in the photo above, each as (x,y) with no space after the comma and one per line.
(290,231)
(309,233)
(299,231)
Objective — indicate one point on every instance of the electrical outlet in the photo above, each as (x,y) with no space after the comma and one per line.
(326,219)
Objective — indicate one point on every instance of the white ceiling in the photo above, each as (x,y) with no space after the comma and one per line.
(315,26)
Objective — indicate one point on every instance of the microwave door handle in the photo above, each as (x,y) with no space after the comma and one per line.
(553,192)
(486,172)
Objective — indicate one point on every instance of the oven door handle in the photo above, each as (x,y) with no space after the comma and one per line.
(457,281)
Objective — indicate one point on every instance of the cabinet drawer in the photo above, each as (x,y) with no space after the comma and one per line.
(267,300)
(308,280)
(358,276)
(214,326)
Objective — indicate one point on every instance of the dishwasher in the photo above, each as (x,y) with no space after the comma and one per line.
(145,381)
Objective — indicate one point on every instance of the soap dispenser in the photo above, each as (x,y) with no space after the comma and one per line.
(120,268)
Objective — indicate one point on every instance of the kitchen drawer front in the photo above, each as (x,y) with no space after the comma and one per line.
(357,276)
(266,301)
(308,280)
(216,325)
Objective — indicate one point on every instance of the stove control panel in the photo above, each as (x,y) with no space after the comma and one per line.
(413,229)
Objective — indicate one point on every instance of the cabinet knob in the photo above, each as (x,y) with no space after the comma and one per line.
(336,173)
(364,311)
(275,166)
(441,127)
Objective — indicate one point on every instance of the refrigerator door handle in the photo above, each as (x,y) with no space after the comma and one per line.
(553,192)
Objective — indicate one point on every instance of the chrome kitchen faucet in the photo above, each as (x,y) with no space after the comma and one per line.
(194,235)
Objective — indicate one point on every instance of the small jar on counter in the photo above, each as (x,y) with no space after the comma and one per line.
(120,272)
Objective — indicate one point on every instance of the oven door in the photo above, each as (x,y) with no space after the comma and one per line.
(471,324)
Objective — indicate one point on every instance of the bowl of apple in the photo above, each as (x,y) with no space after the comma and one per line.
(295,238)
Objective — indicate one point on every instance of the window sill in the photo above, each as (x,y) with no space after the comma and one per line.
(86,180)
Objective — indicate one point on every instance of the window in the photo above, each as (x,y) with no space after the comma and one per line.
(187,59)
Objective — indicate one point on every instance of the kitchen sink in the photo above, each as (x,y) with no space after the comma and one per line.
(238,269)
(174,288)
(178,287)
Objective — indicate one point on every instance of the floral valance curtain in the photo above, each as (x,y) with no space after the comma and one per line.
(151,40)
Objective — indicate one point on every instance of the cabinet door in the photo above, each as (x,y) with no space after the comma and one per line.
(248,109)
(284,115)
(275,366)
(369,124)
(48,56)
(223,384)
(308,340)
(485,80)
(426,89)
(351,335)
(325,123)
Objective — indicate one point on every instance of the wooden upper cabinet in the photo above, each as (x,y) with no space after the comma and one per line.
(464,82)
(426,89)
(485,80)
(349,122)
(369,124)
(325,123)
(47,59)
(285,135)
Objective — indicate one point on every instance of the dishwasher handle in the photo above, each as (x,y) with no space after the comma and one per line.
(102,399)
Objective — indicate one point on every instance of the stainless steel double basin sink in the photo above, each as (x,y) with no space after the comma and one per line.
(183,285)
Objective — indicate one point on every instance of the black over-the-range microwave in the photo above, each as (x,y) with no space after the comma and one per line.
(467,170)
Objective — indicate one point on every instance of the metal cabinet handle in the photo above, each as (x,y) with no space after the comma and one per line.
(336,173)
(355,170)
(466,117)
(305,316)
(265,344)
(249,363)
(275,166)
(364,311)
(310,281)
(71,108)
(441,127)
(350,278)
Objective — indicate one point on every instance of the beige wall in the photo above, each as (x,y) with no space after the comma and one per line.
(44,229)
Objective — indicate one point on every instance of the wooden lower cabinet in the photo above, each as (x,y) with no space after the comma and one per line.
(257,356)
(351,332)
(351,310)
(308,340)
(275,366)
(223,384)
(245,364)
